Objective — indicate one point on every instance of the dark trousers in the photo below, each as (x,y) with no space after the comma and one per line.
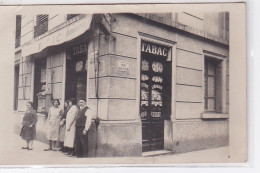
(81,143)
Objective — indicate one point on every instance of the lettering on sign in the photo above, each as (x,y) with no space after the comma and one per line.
(154,49)
(79,49)
(123,66)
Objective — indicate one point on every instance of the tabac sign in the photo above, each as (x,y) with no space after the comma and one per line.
(80,49)
(155,49)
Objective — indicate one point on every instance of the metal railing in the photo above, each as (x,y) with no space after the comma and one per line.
(40,29)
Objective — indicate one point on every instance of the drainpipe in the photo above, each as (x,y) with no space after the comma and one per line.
(96,67)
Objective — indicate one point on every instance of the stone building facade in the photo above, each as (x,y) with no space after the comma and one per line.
(156,81)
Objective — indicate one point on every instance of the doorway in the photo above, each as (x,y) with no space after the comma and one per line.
(76,73)
(155,95)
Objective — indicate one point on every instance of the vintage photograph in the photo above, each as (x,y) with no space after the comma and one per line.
(143,86)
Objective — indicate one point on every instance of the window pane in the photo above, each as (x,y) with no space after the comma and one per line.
(211,86)
(211,69)
(211,104)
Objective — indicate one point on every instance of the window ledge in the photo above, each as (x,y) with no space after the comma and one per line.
(212,115)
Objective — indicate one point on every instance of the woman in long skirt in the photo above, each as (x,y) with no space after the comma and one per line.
(70,127)
(63,126)
(28,131)
(53,125)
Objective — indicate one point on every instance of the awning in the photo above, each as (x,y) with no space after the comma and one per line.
(60,34)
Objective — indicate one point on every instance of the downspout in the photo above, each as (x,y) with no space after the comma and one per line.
(23,85)
(96,67)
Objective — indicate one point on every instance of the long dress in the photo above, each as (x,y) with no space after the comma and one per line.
(70,135)
(53,123)
(30,118)
(63,127)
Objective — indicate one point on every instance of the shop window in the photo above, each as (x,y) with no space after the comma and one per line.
(70,16)
(39,80)
(18,31)
(41,24)
(213,79)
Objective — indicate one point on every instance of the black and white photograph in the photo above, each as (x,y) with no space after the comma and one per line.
(130,87)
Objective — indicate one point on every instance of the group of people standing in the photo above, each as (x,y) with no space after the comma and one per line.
(69,127)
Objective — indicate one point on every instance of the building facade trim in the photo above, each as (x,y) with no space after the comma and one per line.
(58,36)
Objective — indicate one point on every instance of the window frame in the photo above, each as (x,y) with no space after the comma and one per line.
(220,98)
(207,75)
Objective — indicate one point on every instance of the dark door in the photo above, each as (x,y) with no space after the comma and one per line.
(76,80)
(155,99)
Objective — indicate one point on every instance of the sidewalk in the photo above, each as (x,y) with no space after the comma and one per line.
(12,154)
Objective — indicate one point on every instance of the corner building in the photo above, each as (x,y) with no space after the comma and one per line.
(156,81)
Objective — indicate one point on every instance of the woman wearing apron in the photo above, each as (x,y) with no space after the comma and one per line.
(63,126)
(53,125)
(70,127)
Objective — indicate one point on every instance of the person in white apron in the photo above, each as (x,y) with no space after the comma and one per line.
(63,126)
(53,124)
(70,127)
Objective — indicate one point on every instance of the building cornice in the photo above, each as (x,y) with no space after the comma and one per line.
(184,28)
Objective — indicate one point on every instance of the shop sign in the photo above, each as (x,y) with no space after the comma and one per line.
(154,49)
(80,49)
(123,66)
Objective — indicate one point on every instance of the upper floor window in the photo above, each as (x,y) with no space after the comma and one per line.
(18,31)
(41,24)
(70,16)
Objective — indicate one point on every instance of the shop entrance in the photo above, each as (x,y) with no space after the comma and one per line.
(76,72)
(155,96)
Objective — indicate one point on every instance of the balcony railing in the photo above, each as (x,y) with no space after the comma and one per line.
(40,29)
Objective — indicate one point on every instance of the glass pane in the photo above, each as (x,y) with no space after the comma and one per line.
(211,86)
(211,69)
(211,104)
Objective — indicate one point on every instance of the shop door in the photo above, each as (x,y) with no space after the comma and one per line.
(76,80)
(76,71)
(155,99)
